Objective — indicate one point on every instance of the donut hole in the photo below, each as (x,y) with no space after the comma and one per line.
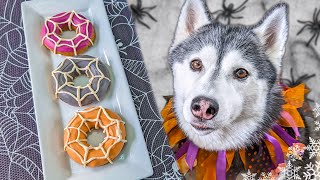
(68,34)
(95,137)
(81,80)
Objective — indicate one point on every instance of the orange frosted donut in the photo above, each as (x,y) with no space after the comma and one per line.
(75,136)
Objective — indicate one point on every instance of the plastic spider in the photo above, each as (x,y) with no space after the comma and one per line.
(227,12)
(295,82)
(140,12)
(313,26)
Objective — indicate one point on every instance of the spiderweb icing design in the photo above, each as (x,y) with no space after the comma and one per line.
(98,124)
(68,78)
(52,33)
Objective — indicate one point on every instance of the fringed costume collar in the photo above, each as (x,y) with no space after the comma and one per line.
(269,156)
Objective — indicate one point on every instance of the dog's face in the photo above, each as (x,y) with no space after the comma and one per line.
(226,93)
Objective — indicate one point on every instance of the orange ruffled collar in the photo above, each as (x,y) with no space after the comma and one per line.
(264,155)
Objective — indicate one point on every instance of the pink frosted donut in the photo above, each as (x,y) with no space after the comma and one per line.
(54,27)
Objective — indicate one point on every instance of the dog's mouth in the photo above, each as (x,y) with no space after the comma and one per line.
(202,127)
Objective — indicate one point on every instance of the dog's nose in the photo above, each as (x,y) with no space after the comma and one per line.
(204,108)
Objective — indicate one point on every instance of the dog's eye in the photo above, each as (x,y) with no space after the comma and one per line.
(241,73)
(196,65)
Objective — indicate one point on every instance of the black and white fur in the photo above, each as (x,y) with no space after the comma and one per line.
(247,108)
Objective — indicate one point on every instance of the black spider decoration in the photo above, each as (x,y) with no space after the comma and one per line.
(295,82)
(313,26)
(227,12)
(140,12)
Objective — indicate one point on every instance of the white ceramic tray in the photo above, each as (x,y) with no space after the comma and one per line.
(52,115)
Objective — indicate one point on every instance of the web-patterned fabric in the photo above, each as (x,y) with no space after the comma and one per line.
(19,146)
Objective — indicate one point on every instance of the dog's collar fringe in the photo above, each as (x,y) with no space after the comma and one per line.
(214,165)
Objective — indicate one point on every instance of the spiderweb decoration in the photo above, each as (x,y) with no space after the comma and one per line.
(68,78)
(53,34)
(98,124)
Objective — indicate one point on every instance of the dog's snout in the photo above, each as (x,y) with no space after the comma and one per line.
(204,108)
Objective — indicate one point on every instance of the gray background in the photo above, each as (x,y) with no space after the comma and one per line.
(302,59)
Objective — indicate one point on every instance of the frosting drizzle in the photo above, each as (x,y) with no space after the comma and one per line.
(68,77)
(98,124)
(54,25)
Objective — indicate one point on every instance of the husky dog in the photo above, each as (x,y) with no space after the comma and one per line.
(226,77)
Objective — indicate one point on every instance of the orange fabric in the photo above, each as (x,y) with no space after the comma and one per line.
(242,153)
(295,96)
(270,147)
(182,164)
(207,169)
(229,156)
(175,136)
(283,144)
(169,124)
(167,112)
(271,151)
(210,165)
(295,115)
(201,169)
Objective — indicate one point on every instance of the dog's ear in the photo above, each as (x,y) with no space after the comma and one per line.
(272,31)
(194,14)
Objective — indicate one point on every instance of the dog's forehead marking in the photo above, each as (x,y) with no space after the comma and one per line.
(182,71)
(226,39)
(208,56)
(233,60)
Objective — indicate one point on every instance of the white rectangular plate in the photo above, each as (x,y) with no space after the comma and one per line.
(53,115)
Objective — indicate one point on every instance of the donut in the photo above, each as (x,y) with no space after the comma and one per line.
(54,27)
(75,136)
(72,67)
